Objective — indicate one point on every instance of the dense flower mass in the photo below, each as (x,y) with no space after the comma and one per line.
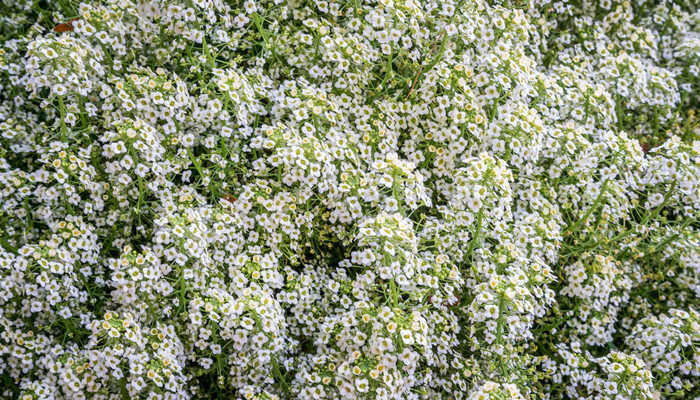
(350,199)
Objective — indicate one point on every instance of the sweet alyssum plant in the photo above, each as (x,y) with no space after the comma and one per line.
(398,199)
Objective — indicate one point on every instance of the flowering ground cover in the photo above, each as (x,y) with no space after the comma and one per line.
(349,199)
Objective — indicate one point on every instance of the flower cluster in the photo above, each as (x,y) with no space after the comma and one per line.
(665,342)
(367,199)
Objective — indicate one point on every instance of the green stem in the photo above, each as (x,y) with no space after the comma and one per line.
(477,231)
(62,111)
(593,207)
(198,167)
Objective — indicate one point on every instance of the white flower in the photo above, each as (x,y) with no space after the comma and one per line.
(362,385)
